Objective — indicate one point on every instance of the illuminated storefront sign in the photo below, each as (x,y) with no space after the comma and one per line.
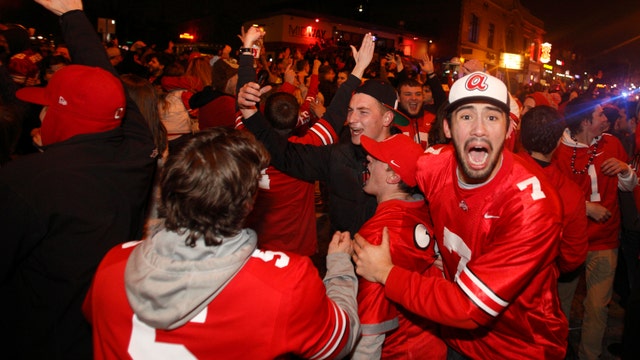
(511,61)
(545,53)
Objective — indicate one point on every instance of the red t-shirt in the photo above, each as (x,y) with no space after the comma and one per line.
(275,305)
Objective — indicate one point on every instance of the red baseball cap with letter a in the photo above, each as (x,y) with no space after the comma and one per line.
(80,100)
(399,152)
(478,87)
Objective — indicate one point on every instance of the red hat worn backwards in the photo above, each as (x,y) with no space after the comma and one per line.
(399,152)
(81,100)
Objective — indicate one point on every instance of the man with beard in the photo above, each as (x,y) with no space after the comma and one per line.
(497,225)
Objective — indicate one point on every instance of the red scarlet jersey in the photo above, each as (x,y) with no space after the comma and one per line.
(284,213)
(275,305)
(595,186)
(574,243)
(412,247)
(498,241)
(24,68)
(418,129)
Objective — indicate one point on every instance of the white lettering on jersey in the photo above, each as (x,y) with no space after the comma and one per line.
(143,345)
(129,244)
(421,236)
(536,189)
(266,256)
(431,150)
(455,244)
(265,182)
(593,175)
(491,303)
(201,317)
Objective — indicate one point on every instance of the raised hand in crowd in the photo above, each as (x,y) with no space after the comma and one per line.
(426,64)
(60,7)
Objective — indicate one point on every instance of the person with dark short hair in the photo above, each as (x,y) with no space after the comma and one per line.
(541,129)
(199,287)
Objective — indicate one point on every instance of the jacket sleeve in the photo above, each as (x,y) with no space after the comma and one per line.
(84,45)
(337,111)
(342,287)
(246,72)
(306,162)
(438,93)
(432,297)
(86,49)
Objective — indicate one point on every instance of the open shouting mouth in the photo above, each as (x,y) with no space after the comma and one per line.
(478,154)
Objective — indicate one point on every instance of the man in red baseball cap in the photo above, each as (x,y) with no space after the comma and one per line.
(79,99)
(388,330)
(64,208)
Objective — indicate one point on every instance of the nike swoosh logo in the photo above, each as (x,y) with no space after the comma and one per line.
(487,216)
(600,153)
(393,162)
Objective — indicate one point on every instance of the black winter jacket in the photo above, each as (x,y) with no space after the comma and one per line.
(60,212)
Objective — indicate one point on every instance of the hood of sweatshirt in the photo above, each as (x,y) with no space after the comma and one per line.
(567,140)
(168,283)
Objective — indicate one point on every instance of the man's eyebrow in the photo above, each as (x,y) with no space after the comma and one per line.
(470,106)
(464,107)
(494,108)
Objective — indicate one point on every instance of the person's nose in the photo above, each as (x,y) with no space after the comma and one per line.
(478,127)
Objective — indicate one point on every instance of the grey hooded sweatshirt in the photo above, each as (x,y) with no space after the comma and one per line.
(168,283)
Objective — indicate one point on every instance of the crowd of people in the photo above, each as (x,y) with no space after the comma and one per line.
(163,205)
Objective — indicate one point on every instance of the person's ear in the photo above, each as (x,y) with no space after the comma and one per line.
(393,178)
(387,118)
(511,125)
(446,128)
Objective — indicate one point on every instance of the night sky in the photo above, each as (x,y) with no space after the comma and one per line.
(603,31)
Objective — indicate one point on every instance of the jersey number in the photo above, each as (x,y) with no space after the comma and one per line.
(266,256)
(265,182)
(595,195)
(143,345)
(454,243)
(536,189)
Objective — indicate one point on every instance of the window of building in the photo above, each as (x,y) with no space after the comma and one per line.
(473,28)
(509,41)
(492,31)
